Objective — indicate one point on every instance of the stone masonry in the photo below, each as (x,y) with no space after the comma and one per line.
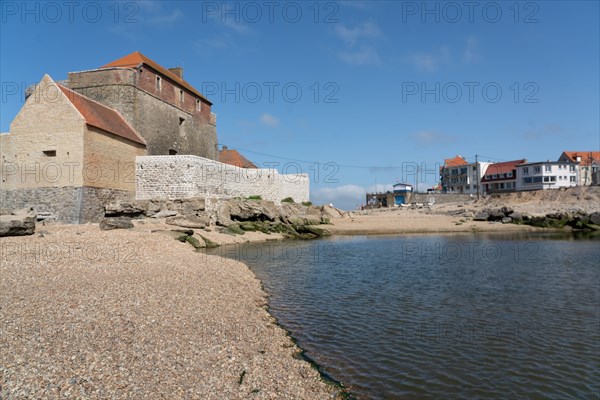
(180,177)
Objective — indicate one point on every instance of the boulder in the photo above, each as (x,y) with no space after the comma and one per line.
(192,206)
(481,216)
(164,214)
(506,211)
(506,220)
(109,223)
(516,217)
(496,215)
(121,208)
(189,221)
(17,223)
(595,218)
(331,212)
(252,210)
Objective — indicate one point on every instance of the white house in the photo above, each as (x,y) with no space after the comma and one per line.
(458,176)
(589,164)
(547,175)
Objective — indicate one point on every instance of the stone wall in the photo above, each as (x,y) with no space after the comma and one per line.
(180,177)
(74,205)
(439,198)
(165,123)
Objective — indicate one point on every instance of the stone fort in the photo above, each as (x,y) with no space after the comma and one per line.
(130,128)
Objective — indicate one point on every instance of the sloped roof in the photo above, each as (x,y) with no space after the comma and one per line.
(501,168)
(585,157)
(102,117)
(232,157)
(454,162)
(136,59)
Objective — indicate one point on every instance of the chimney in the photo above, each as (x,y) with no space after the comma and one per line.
(224,148)
(177,71)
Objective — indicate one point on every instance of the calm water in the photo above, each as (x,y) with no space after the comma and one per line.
(434,317)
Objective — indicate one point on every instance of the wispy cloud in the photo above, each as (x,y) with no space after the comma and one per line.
(352,35)
(432,138)
(430,61)
(221,41)
(365,55)
(550,129)
(470,53)
(358,50)
(165,19)
(269,120)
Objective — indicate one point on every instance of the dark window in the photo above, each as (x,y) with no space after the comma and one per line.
(50,153)
(158,83)
(172,152)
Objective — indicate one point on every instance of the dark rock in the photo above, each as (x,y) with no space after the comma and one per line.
(130,209)
(109,223)
(595,218)
(312,230)
(496,215)
(18,223)
(481,216)
(516,217)
(506,211)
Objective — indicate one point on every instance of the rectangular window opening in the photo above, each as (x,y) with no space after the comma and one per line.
(50,153)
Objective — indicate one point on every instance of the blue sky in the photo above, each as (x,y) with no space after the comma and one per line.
(385,86)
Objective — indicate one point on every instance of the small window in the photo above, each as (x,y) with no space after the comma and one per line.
(181,121)
(198,105)
(158,83)
(172,152)
(50,153)
(548,168)
(181,96)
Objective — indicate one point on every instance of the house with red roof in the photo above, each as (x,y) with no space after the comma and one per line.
(233,157)
(67,155)
(457,175)
(589,165)
(501,177)
(170,114)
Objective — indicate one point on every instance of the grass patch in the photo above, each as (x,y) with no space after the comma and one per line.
(254,197)
(288,200)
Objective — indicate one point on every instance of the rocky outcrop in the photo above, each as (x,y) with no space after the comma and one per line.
(578,220)
(17,222)
(235,216)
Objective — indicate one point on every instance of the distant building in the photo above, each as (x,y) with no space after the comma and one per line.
(547,175)
(233,157)
(401,192)
(589,164)
(501,177)
(459,176)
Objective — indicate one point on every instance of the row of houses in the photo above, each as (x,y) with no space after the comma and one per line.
(572,168)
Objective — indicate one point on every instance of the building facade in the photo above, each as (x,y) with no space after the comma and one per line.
(501,177)
(459,176)
(547,175)
(66,155)
(589,164)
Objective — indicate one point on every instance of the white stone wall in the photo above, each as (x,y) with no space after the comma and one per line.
(184,176)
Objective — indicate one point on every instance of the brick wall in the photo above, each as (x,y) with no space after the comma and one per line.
(173,177)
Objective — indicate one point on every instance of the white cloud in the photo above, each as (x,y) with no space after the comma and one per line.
(366,55)
(347,197)
(269,120)
(470,54)
(351,35)
(430,61)
(165,19)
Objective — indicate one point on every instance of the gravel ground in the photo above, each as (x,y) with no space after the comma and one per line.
(121,314)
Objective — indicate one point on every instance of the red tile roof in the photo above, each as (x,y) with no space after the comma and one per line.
(502,168)
(454,162)
(136,59)
(102,117)
(585,156)
(232,157)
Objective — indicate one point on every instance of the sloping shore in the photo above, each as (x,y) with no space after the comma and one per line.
(398,221)
(86,313)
